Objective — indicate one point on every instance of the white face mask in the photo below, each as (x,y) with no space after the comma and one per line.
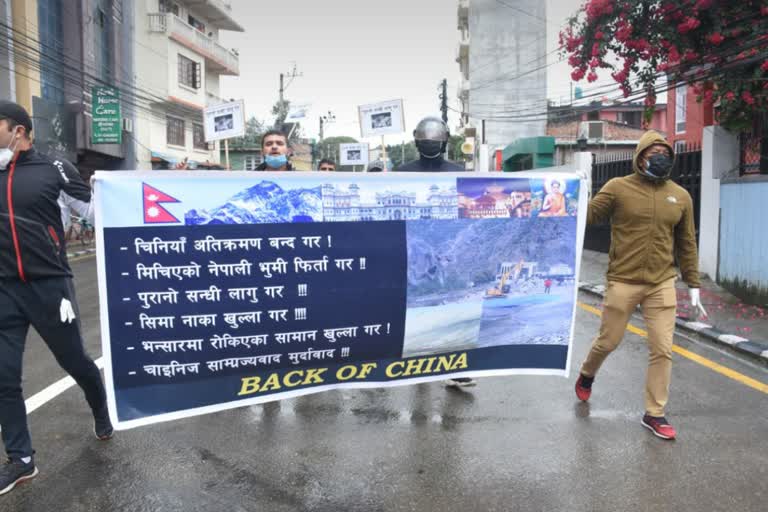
(6,154)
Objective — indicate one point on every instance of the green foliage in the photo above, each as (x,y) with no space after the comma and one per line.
(329,148)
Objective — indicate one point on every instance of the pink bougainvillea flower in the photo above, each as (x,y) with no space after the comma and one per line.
(716,38)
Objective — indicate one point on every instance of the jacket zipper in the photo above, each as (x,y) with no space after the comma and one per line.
(16,245)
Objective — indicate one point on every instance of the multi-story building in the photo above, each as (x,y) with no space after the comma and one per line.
(502,58)
(7,78)
(609,129)
(55,52)
(341,205)
(687,117)
(179,60)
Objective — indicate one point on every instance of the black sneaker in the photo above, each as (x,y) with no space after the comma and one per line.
(461,382)
(102,427)
(14,472)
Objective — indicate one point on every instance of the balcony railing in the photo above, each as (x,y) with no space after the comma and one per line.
(218,12)
(217,56)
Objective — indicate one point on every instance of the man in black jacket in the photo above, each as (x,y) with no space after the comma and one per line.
(36,284)
(431,136)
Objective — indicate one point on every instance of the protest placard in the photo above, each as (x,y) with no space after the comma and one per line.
(353,154)
(382,118)
(224,121)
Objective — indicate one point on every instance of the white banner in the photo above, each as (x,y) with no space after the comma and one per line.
(224,121)
(353,154)
(382,118)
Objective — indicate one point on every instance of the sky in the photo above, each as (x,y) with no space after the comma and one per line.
(355,52)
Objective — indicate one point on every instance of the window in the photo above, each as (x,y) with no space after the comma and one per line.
(252,162)
(189,72)
(198,137)
(175,131)
(196,23)
(168,6)
(680,108)
(679,146)
(49,15)
(103,31)
(634,119)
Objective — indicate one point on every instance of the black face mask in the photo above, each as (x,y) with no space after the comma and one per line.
(658,167)
(430,148)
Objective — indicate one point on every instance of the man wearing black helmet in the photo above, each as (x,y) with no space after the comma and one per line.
(431,136)
(36,284)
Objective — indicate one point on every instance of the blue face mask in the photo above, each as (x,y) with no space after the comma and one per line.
(275,161)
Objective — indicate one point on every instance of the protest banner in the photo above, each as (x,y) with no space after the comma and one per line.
(353,154)
(221,290)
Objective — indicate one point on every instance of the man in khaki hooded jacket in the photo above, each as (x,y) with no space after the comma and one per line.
(652,221)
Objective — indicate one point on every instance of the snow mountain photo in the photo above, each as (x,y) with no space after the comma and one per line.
(264,203)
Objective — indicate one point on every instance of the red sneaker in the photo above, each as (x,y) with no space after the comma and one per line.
(584,387)
(659,426)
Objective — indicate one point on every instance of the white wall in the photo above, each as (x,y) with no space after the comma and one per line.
(505,46)
(719,155)
(157,65)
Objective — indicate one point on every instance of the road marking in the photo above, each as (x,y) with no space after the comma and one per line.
(43,397)
(696,358)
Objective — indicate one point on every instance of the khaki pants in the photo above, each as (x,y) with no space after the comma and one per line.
(659,303)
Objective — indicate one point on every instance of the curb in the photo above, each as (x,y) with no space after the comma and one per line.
(753,348)
(84,252)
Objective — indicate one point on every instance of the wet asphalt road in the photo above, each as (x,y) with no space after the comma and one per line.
(515,443)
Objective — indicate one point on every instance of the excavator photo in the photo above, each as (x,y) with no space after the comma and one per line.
(498,291)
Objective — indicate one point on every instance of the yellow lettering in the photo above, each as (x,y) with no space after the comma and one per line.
(390,371)
(444,363)
(250,385)
(430,360)
(460,363)
(366,369)
(272,382)
(314,376)
(413,366)
(346,372)
(287,382)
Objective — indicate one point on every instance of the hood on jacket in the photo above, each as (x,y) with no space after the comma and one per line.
(650,138)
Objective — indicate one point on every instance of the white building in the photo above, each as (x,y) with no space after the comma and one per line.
(179,61)
(341,205)
(502,59)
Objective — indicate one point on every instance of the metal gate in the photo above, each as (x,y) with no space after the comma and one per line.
(686,173)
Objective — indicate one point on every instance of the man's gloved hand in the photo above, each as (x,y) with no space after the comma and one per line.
(66,312)
(696,302)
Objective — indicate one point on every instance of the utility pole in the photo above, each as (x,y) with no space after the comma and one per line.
(444,99)
(325,119)
(294,73)
(328,118)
